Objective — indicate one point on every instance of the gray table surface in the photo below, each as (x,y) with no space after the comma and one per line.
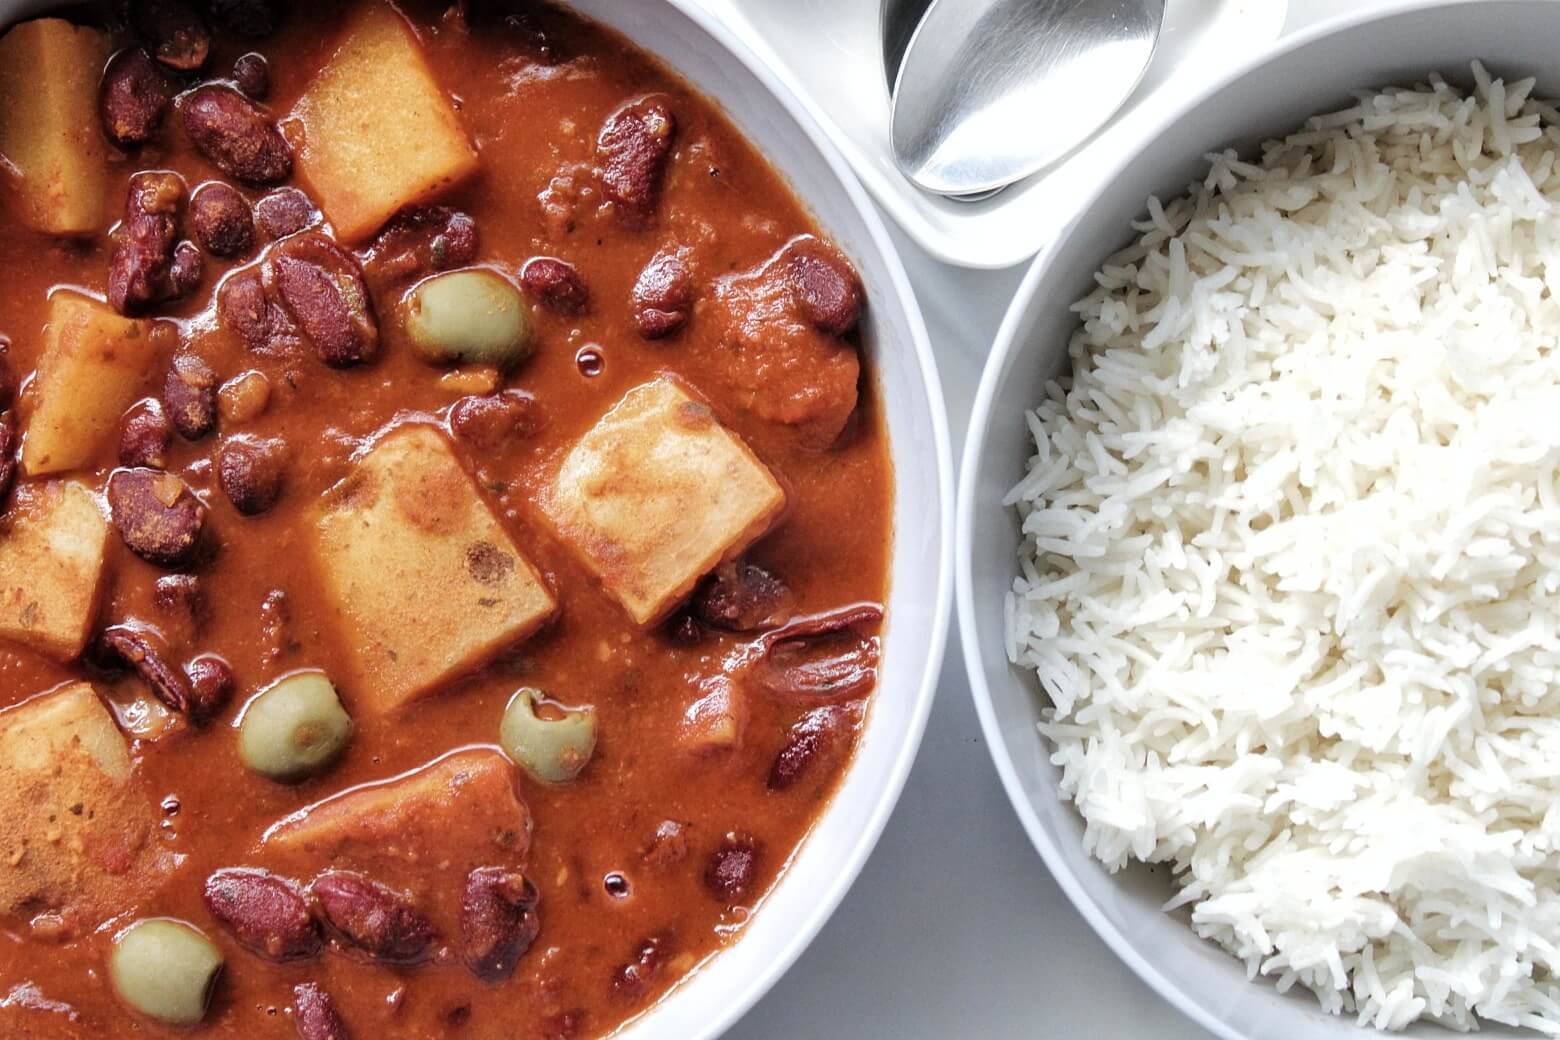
(955,928)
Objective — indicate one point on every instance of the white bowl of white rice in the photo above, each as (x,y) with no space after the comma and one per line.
(1259,538)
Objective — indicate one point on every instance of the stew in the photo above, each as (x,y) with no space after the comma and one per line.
(445,529)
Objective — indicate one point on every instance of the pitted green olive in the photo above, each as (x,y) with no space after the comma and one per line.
(551,750)
(165,969)
(294,728)
(473,316)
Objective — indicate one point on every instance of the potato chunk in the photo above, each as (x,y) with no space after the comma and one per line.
(49,129)
(378,133)
(656,494)
(94,363)
(76,837)
(458,810)
(425,582)
(51,564)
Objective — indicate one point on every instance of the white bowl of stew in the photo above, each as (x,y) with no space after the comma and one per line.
(267,482)
(1265,97)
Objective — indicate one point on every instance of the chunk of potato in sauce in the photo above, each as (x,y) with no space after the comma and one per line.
(601,889)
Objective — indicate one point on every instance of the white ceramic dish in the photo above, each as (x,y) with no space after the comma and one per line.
(830,52)
(700,49)
(1266,95)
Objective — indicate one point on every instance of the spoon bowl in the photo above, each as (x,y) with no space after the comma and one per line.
(991,91)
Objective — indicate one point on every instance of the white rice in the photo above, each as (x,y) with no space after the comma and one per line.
(1291,569)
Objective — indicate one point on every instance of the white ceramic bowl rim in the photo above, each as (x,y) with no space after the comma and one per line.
(1008,340)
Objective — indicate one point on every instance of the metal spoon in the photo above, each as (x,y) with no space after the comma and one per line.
(989,91)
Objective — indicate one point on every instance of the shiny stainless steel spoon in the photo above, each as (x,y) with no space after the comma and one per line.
(989,91)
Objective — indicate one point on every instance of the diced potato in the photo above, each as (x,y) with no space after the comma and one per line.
(76,837)
(656,494)
(459,809)
(93,365)
(713,722)
(377,131)
(425,582)
(49,129)
(51,565)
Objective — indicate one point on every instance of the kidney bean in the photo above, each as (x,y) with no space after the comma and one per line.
(632,979)
(373,918)
(156,514)
(211,684)
(285,211)
(174,31)
(246,308)
(742,597)
(631,156)
(555,284)
(824,285)
(179,599)
(147,655)
(251,19)
(817,737)
(421,240)
(265,913)
(221,219)
(134,95)
(145,436)
(185,270)
(231,131)
(498,921)
(315,1016)
(489,422)
(10,447)
(140,267)
(322,285)
(250,471)
(190,394)
(252,75)
(804,659)
(732,868)
(663,295)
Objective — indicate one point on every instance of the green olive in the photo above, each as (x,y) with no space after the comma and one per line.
(551,750)
(294,728)
(165,969)
(473,316)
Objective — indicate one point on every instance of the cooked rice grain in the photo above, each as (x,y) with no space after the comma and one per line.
(1291,567)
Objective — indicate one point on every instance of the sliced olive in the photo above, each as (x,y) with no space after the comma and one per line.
(165,969)
(472,316)
(550,749)
(294,728)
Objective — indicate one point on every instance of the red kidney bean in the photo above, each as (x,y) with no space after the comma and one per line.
(742,597)
(179,599)
(140,267)
(632,979)
(373,918)
(805,659)
(156,514)
(252,75)
(221,220)
(145,436)
(250,471)
(284,212)
(824,285)
(668,847)
(732,868)
(489,422)
(211,684)
(147,655)
(265,913)
(632,150)
(322,285)
(231,131)
(498,921)
(185,270)
(246,308)
(190,395)
(133,97)
(421,240)
(663,295)
(174,31)
(555,284)
(818,737)
(315,1016)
